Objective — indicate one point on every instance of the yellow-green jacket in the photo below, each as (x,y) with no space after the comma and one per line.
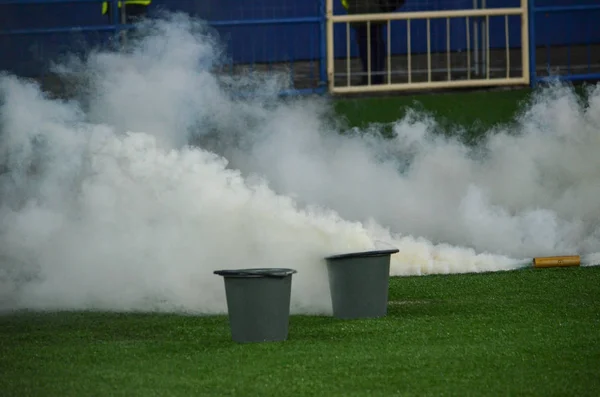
(127,2)
(371,6)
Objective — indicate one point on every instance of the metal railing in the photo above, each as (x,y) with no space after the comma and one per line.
(469,80)
(486,54)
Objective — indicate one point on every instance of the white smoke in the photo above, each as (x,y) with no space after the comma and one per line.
(124,199)
(530,189)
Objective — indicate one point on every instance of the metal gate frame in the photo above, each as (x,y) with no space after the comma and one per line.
(428,15)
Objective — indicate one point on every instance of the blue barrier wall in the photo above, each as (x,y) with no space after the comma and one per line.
(580,26)
(566,27)
(262,30)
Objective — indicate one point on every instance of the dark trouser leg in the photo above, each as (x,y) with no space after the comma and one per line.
(377,51)
(133,13)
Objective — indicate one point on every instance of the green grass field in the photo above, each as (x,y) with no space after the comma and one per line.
(529,332)
(470,114)
(468,109)
(526,333)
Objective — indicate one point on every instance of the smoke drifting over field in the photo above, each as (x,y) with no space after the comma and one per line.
(130,196)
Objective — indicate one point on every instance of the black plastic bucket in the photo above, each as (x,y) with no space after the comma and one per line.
(258,303)
(359,283)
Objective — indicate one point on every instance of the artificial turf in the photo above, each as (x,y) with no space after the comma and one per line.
(526,333)
(530,332)
(466,109)
(467,115)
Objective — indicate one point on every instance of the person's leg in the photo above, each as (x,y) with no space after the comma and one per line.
(374,36)
(360,31)
(378,54)
(135,12)
(109,15)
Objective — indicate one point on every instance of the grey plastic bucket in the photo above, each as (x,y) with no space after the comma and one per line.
(258,303)
(359,283)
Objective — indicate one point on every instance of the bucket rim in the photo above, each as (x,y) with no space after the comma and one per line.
(363,254)
(256,272)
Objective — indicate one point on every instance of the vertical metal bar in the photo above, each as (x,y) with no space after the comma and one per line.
(467,20)
(569,36)
(507,47)
(292,71)
(485,40)
(448,60)
(487,47)
(311,45)
(428,50)
(330,48)
(270,55)
(123,22)
(348,49)
(527,37)
(476,40)
(589,46)
(312,57)
(389,51)
(547,50)
(368,52)
(408,50)
(115,11)
(323,43)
